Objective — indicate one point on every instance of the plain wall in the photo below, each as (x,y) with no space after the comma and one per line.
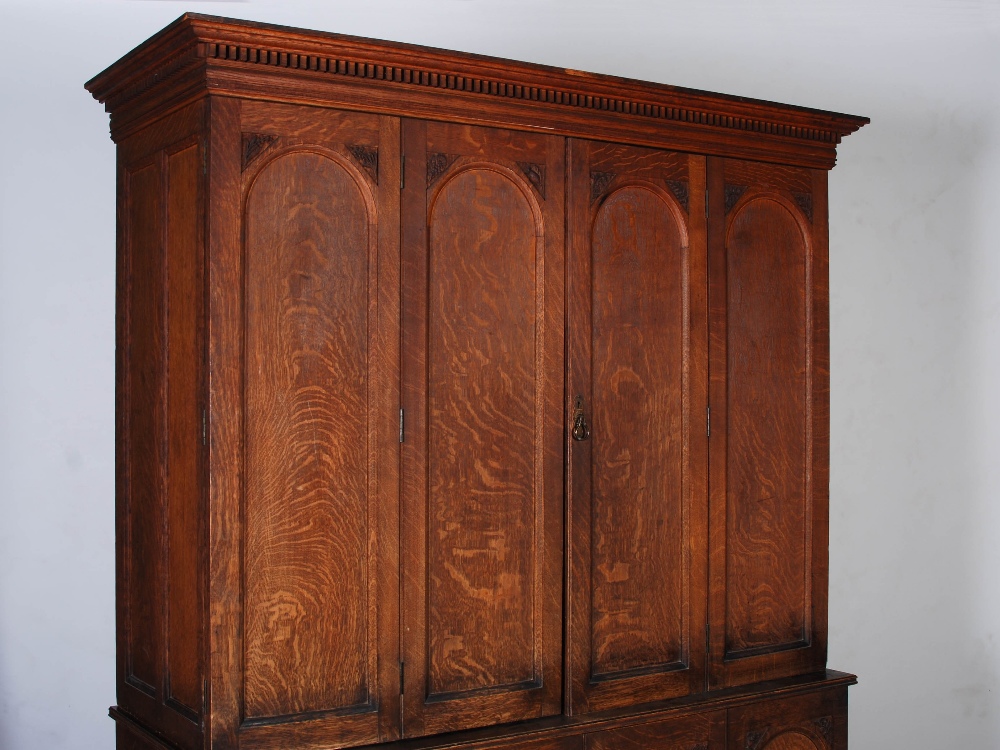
(915,274)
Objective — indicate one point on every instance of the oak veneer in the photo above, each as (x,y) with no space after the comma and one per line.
(464,402)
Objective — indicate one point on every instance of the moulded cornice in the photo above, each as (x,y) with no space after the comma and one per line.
(198,55)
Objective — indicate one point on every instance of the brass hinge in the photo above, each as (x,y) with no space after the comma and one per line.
(402,172)
(708,421)
(402,673)
(204,428)
(706,204)
(401,424)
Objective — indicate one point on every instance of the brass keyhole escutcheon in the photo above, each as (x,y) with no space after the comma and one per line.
(581,431)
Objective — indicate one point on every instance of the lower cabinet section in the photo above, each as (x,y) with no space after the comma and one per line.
(705,731)
(792,714)
(817,721)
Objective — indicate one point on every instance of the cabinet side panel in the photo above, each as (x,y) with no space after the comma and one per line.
(309,245)
(184,297)
(767,366)
(638,352)
(145,430)
(484,404)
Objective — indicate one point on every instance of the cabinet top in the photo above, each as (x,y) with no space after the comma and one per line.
(198,55)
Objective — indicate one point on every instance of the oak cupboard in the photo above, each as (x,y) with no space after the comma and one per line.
(464,402)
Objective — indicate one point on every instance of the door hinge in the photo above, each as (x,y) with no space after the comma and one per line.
(204,428)
(402,674)
(708,421)
(706,204)
(401,424)
(402,172)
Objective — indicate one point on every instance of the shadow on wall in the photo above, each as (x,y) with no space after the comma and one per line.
(907,490)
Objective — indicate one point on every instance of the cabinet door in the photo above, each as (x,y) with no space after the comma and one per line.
(482,443)
(770,421)
(320,378)
(638,379)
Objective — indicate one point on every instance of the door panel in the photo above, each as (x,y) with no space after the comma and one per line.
(483,298)
(320,559)
(481,452)
(637,344)
(769,402)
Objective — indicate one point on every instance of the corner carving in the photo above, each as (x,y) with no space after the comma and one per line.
(367,159)
(680,190)
(805,202)
(535,174)
(254,144)
(755,739)
(733,195)
(599,182)
(437,165)
(825,727)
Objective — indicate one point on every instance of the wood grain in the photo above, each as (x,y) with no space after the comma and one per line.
(703,731)
(637,333)
(792,741)
(814,721)
(770,396)
(185,573)
(485,301)
(767,429)
(295,571)
(638,563)
(146,429)
(159,549)
(225,423)
(310,260)
(482,343)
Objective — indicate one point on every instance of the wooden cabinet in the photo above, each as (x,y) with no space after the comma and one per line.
(468,398)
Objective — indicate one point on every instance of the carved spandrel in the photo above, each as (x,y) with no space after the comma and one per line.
(599,182)
(733,195)
(437,165)
(367,159)
(535,174)
(755,739)
(805,202)
(680,190)
(254,144)
(825,727)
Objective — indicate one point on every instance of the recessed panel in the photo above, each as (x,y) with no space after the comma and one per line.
(146,429)
(483,453)
(184,620)
(309,449)
(767,514)
(638,562)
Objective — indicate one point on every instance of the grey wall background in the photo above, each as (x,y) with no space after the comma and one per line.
(915,279)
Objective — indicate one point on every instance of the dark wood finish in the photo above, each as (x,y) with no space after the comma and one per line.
(682,713)
(705,731)
(318,233)
(770,416)
(482,454)
(817,721)
(320,552)
(224,420)
(160,568)
(637,344)
(252,59)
